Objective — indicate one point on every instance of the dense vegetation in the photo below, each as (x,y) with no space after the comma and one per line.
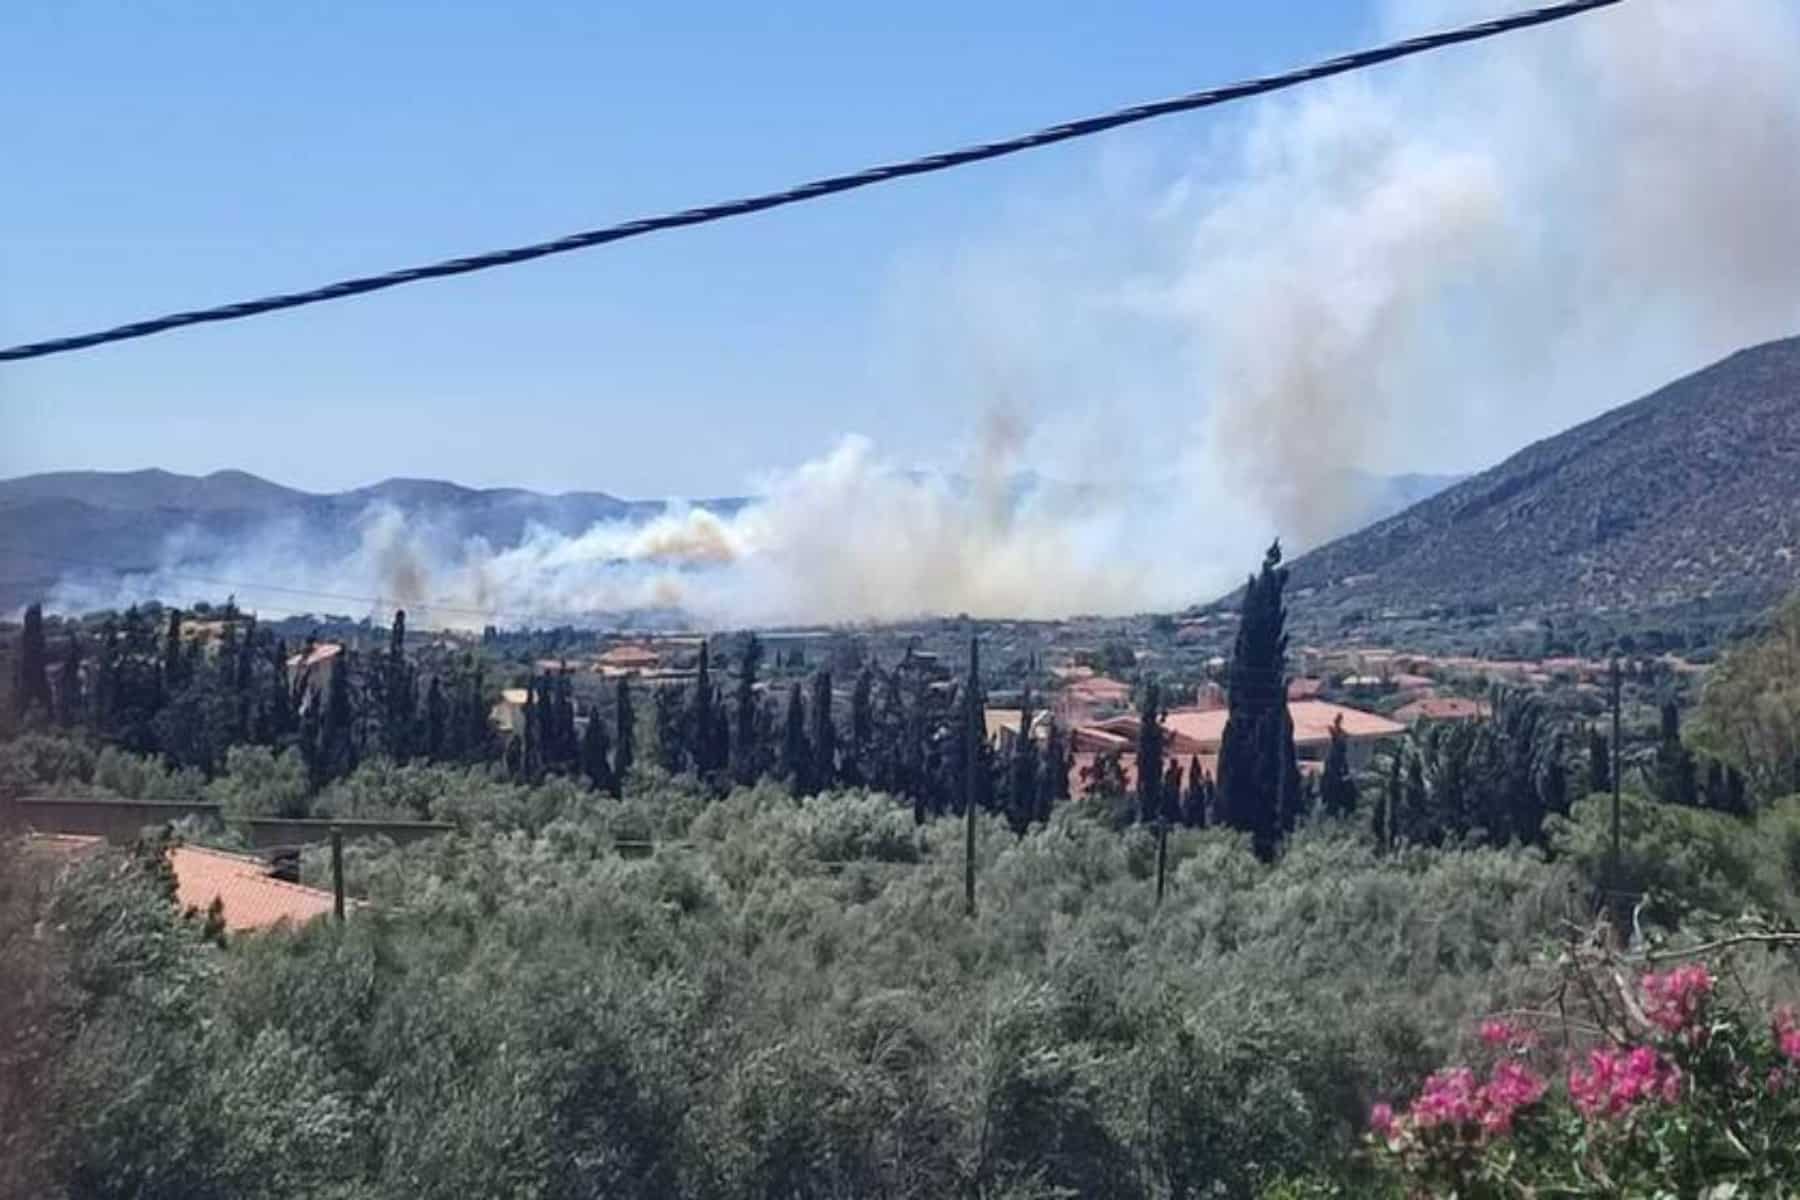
(784,993)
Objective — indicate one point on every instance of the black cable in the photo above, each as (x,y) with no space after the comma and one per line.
(1084,127)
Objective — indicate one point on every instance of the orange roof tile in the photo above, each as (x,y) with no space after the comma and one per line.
(251,898)
(1312,723)
(629,656)
(1441,708)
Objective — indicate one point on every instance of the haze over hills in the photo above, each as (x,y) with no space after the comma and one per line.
(1688,494)
(91,538)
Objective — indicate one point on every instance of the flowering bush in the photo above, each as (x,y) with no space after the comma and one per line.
(1679,1095)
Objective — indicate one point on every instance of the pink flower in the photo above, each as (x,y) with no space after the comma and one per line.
(1618,1080)
(1674,1000)
(1453,1098)
(1787,1034)
(1381,1120)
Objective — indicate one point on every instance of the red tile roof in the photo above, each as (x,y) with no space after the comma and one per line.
(1312,723)
(1441,708)
(629,657)
(251,898)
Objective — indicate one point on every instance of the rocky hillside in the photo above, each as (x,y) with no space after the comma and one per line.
(1689,494)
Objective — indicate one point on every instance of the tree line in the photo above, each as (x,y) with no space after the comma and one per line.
(911,730)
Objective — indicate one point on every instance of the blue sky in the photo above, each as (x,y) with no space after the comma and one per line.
(162,155)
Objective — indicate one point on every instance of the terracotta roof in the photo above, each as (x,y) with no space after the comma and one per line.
(1100,687)
(1302,688)
(1312,723)
(251,898)
(1091,739)
(629,656)
(1174,740)
(1441,708)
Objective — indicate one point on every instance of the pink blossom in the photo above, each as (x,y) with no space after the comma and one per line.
(1616,1081)
(1787,1034)
(1455,1099)
(1381,1119)
(1674,1000)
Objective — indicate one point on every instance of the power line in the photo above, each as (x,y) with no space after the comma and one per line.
(818,188)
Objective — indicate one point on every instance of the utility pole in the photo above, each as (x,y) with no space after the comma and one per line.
(337,873)
(1613,880)
(975,731)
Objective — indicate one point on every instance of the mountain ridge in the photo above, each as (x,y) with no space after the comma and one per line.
(1686,494)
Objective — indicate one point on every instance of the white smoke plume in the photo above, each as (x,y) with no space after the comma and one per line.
(1418,268)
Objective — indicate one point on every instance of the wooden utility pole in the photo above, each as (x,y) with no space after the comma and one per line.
(974,732)
(1613,881)
(337,873)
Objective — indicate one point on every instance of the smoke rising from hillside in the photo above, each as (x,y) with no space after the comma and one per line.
(1419,268)
(1488,246)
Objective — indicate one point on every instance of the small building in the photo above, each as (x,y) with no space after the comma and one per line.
(627,660)
(508,713)
(310,671)
(1204,729)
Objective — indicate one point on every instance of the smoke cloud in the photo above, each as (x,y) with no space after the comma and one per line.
(1415,269)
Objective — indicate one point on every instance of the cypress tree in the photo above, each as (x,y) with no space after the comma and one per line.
(1599,766)
(593,755)
(1053,788)
(1337,790)
(398,700)
(1258,782)
(1150,755)
(709,751)
(31,674)
(1416,820)
(437,720)
(244,682)
(796,755)
(624,734)
(1193,810)
(1170,811)
(1023,785)
(857,767)
(174,671)
(71,705)
(106,678)
(336,733)
(747,759)
(1676,772)
(671,744)
(824,735)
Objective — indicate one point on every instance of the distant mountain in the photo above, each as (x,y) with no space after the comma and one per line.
(1689,494)
(65,522)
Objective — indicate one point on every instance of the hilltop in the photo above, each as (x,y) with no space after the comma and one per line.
(122,521)
(1687,496)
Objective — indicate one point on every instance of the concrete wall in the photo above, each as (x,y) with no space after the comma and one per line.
(122,821)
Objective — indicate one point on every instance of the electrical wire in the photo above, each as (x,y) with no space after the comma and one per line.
(818,188)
